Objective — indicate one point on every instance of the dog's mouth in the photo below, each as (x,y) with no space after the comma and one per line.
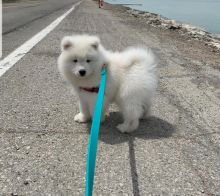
(80,76)
(90,90)
(85,77)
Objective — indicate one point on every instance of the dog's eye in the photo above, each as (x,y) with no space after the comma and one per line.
(75,60)
(88,61)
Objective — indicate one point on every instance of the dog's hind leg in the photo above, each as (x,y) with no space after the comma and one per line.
(128,125)
(131,114)
(146,111)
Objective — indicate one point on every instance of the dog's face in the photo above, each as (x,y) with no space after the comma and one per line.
(80,56)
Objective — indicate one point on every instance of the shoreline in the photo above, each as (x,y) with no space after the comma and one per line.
(184,29)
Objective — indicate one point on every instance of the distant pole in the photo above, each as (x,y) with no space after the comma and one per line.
(101,3)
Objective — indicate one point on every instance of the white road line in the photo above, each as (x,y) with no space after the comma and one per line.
(20,52)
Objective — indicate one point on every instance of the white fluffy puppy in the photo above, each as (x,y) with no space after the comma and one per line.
(131,78)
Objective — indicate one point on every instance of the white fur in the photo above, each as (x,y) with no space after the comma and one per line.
(131,78)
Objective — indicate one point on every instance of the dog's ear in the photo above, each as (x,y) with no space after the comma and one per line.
(95,43)
(66,43)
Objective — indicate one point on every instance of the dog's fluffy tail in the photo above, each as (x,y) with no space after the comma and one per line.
(135,56)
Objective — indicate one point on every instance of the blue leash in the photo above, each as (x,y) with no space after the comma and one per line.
(94,135)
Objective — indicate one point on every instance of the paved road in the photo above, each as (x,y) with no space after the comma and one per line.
(24,19)
(174,152)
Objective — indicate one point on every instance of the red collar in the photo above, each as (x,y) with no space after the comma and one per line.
(91,90)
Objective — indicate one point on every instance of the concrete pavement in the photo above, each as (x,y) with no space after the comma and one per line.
(174,152)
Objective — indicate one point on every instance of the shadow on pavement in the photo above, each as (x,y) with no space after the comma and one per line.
(151,128)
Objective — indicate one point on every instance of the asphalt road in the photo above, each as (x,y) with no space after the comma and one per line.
(174,152)
(24,19)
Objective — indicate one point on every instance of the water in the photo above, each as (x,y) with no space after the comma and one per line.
(203,13)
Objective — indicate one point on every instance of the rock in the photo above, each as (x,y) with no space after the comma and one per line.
(14,194)
(26,182)
(174,27)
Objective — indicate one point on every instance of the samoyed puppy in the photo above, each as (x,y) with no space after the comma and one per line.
(131,78)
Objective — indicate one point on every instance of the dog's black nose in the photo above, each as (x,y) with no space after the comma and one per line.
(82,72)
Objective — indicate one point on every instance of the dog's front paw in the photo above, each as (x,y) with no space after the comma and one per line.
(81,118)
